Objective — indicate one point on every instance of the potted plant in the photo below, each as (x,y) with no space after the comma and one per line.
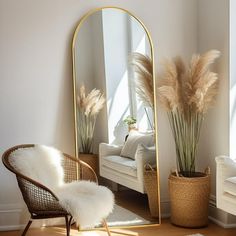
(89,105)
(186,94)
(144,87)
(131,122)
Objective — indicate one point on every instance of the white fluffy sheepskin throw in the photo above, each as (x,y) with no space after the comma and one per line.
(40,163)
(86,201)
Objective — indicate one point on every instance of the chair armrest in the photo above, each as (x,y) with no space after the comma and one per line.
(226,167)
(145,155)
(82,165)
(141,160)
(109,150)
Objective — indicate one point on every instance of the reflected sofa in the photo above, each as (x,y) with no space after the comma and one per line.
(125,164)
(226,184)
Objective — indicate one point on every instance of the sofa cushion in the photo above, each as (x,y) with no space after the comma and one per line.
(120,164)
(134,139)
(230,185)
(147,154)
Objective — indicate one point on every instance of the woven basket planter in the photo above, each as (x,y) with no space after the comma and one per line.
(189,200)
(150,183)
(92,160)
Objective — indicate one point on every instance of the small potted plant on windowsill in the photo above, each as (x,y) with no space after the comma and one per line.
(187,94)
(131,122)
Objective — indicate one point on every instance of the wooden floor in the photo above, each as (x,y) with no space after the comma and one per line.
(165,229)
(135,202)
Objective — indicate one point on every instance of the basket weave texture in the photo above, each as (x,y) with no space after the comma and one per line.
(92,160)
(189,200)
(150,183)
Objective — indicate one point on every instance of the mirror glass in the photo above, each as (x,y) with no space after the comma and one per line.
(114,112)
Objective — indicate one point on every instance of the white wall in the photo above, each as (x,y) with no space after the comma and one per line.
(213,33)
(232,78)
(36,74)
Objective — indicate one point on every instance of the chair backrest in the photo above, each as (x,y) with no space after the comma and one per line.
(7,161)
(40,163)
(31,190)
(60,165)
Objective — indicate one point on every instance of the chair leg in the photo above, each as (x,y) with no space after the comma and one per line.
(26,228)
(70,220)
(67,225)
(106,227)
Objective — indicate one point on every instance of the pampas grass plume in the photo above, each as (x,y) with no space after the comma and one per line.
(143,78)
(187,92)
(88,108)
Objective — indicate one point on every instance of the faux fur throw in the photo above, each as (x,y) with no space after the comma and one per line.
(86,201)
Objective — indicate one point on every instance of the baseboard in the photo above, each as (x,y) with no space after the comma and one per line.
(222,224)
(11,227)
(219,216)
(11,217)
(16,216)
(165,208)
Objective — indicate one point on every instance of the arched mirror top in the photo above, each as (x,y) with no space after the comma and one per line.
(112,10)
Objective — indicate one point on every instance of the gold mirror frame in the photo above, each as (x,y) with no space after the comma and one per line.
(155,103)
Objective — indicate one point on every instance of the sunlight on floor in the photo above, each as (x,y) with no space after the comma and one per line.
(124,232)
(114,232)
(75,232)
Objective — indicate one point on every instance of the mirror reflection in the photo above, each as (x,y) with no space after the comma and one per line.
(115,128)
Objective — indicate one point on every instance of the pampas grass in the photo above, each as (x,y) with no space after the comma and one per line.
(187,93)
(143,78)
(88,108)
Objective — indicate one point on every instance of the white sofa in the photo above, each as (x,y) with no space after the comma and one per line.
(122,170)
(226,184)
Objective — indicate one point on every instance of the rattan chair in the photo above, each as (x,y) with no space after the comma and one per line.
(42,203)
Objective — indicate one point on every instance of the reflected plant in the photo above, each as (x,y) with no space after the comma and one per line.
(130,121)
(88,108)
(143,78)
(187,94)
(143,69)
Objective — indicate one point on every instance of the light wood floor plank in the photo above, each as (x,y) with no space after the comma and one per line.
(166,229)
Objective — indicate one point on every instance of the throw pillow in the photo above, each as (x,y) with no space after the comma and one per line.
(134,139)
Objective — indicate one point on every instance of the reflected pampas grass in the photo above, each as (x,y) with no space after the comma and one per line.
(143,78)
(187,93)
(88,108)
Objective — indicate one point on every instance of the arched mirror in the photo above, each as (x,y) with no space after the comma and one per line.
(114,108)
